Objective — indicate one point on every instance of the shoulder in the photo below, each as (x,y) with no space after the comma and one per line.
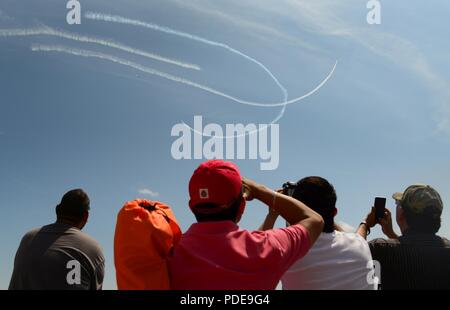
(88,242)
(293,230)
(292,237)
(351,243)
(445,241)
(350,238)
(383,243)
(277,235)
(32,233)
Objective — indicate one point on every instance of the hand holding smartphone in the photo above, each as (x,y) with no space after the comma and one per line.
(380,206)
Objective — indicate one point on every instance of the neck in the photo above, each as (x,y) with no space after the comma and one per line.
(417,232)
(329,227)
(68,222)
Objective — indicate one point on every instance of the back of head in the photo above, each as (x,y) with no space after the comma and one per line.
(215,191)
(422,206)
(73,206)
(319,195)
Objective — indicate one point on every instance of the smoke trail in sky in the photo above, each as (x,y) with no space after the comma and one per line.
(94,54)
(85,39)
(148,70)
(124,20)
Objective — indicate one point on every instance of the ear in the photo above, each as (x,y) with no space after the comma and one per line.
(86,216)
(84,219)
(335,212)
(240,210)
(401,219)
(400,216)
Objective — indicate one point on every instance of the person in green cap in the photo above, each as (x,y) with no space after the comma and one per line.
(418,258)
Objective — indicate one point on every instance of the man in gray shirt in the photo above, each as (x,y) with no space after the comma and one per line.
(59,256)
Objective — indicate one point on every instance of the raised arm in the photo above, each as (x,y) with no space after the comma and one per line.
(292,210)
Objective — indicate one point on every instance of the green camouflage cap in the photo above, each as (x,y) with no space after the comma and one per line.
(420,199)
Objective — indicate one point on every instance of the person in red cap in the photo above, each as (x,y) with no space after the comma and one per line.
(215,253)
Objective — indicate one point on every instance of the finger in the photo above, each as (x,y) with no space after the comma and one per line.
(247,196)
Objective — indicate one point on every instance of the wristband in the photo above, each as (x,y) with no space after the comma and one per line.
(274,199)
(367,227)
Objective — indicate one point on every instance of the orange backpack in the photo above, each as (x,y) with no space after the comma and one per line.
(146,232)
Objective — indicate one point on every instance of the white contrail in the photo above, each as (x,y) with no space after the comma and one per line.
(85,39)
(148,70)
(276,104)
(94,54)
(283,104)
(124,20)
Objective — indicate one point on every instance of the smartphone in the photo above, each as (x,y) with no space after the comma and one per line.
(380,205)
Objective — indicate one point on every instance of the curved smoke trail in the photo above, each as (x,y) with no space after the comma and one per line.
(148,70)
(123,20)
(132,22)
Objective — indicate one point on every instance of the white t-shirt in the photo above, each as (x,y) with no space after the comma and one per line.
(337,261)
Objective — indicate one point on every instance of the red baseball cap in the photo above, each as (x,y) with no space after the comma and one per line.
(217,182)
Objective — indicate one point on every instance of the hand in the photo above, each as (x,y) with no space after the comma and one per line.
(371,219)
(386,224)
(251,189)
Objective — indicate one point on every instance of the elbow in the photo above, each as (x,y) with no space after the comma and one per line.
(319,222)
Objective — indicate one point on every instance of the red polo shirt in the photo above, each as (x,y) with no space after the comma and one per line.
(219,255)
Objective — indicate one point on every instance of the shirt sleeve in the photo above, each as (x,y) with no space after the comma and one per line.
(97,263)
(13,284)
(99,276)
(292,242)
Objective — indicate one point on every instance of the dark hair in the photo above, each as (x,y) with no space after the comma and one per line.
(319,195)
(74,204)
(227,214)
(422,223)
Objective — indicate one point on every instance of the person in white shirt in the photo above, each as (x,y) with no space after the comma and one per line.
(338,260)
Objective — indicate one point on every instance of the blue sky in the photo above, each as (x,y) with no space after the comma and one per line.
(379,124)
